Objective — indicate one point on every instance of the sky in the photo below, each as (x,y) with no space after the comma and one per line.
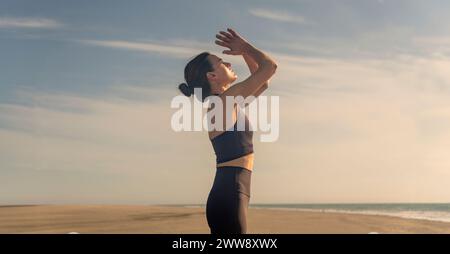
(86,86)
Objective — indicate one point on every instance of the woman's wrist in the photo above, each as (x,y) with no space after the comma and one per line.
(246,50)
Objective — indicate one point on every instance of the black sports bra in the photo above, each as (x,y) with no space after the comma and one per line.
(232,144)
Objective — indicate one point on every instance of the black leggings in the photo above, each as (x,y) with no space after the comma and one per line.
(226,208)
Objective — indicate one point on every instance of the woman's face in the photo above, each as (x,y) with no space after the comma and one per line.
(222,75)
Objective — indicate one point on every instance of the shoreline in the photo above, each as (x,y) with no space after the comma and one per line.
(178,219)
(367,212)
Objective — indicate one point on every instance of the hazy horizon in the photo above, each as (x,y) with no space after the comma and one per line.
(86,86)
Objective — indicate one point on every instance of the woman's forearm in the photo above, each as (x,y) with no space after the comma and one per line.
(253,67)
(252,64)
(258,56)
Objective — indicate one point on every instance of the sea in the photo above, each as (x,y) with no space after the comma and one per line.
(419,211)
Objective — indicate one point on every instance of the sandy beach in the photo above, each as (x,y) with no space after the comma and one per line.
(183,220)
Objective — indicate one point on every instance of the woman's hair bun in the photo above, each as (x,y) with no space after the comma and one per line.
(184,88)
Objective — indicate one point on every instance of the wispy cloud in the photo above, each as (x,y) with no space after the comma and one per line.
(335,130)
(280,16)
(98,136)
(43,23)
(432,42)
(171,49)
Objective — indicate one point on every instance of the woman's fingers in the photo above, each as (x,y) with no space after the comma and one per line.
(230,52)
(226,39)
(220,37)
(223,44)
(229,36)
(232,32)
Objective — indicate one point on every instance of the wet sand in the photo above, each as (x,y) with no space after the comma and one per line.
(182,220)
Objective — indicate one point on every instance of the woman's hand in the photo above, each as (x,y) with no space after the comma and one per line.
(233,41)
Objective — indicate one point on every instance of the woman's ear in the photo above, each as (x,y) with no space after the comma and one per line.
(210,76)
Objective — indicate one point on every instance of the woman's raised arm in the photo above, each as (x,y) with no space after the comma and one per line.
(239,46)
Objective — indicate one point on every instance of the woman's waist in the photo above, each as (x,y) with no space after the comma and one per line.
(245,161)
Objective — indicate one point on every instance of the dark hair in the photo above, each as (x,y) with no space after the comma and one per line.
(195,76)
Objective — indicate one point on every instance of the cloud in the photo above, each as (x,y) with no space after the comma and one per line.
(110,137)
(370,125)
(280,16)
(371,130)
(433,41)
(403,73)
(173,48)
(438,46)
(37,23)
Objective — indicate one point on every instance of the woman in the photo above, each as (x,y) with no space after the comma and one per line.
(226,208)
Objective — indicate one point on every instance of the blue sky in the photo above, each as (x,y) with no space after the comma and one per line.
(85,90)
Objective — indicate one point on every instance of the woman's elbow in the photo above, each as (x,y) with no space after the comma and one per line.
(274,67)
(270,67)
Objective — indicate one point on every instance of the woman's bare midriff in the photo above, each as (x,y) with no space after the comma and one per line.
(245,161)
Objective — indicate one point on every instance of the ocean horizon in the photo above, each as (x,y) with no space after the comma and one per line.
(420,211)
